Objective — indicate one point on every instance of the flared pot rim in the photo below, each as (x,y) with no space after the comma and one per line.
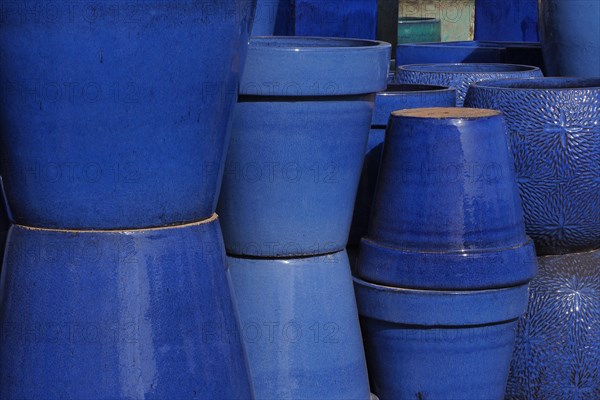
(394,89)
(540,84)
(466,68)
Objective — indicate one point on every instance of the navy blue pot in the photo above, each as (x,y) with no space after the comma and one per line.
(117,115)
(348,18)
(570,35)
(555,138)
(119,314)
(509,20)
(300,132)
(460,76)
(265,17)
(447,213)
(395,97)
(423,344)
(300,325)
(557,353)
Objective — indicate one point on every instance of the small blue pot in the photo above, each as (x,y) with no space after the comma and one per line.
(265,17)
(447,213)
(460,76)
(299,136)
(557,354)
(301,329)
(555,138)
(395,97)
(119,314)
(117,115)
(424,344)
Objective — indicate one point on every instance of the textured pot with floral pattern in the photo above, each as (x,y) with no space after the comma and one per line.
(554,129)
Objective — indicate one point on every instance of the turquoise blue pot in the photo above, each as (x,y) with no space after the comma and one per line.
(119,315)
(417,29)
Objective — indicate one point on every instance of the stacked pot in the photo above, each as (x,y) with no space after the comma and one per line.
(299,136)
(113,136)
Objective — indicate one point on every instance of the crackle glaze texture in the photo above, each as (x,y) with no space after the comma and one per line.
(554,134)
(557,352)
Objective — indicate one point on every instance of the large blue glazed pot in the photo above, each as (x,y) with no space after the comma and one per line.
(395,97)
(554,132)
(426,344)
(300,325)
(300,132)
(265,17)
(117,115)
(460,76)
(570,35)
(509,20)
(557,352)
(447,213)
(119,315)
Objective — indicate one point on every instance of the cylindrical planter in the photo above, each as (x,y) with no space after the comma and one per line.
(117,116)
(506,20)
(460,76)
(570,36)
(446,213)
(555,138)
(300,325)
(300,131)
(417,29)
(119,314)
(265,17)
(424,344)
(557,353)
(395,97)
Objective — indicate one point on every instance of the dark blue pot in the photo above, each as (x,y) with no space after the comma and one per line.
(557,353)
(117,115)
(265,17)
(446,213)
(299,137)
(348,18)
(395,97)
(301,329)
(460,76)
(119,314)
(555,138)
(438,345)
(509,20)
(570,35)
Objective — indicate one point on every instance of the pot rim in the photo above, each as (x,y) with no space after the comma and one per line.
(477,44)
(487,68)
(278,44)
(549,84)
(413,20)
(396,89)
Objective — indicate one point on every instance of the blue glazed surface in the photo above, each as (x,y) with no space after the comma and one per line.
(300,325)
(265,17)
(117,117)
(555,138)
(460,76)
(570,34)
(508,20)
(438,345)
(557,353)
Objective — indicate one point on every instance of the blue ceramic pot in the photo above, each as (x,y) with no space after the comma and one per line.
(395,97)
(510,20)
(117,115)
(446,213)
(265,17)
(570,35)
(348,18)
(291,176)
(557,354)
(119,314)
(301,329)
(460,76)
(555,138)
(424,344)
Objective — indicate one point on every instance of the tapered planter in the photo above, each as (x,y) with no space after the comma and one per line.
(300,325)
(557,353)
(417,29)
(555,137)
(119,314)
(460,76)
(570,35)
(117,115)
(265,17)
(447,213)
(438,345)
(299,136)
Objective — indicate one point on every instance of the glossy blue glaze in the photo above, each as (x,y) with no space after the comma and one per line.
(141,314)
(300,325)
(554,134)
(507,20)
(295,158)
(348,18)
(395,97)
(570,34)
(424,344)
(460,76)
(265,17)
(446,213)
(117,115)
(556,353)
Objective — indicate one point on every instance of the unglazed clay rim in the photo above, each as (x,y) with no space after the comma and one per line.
(489,68)
(451,113)
(494,84)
